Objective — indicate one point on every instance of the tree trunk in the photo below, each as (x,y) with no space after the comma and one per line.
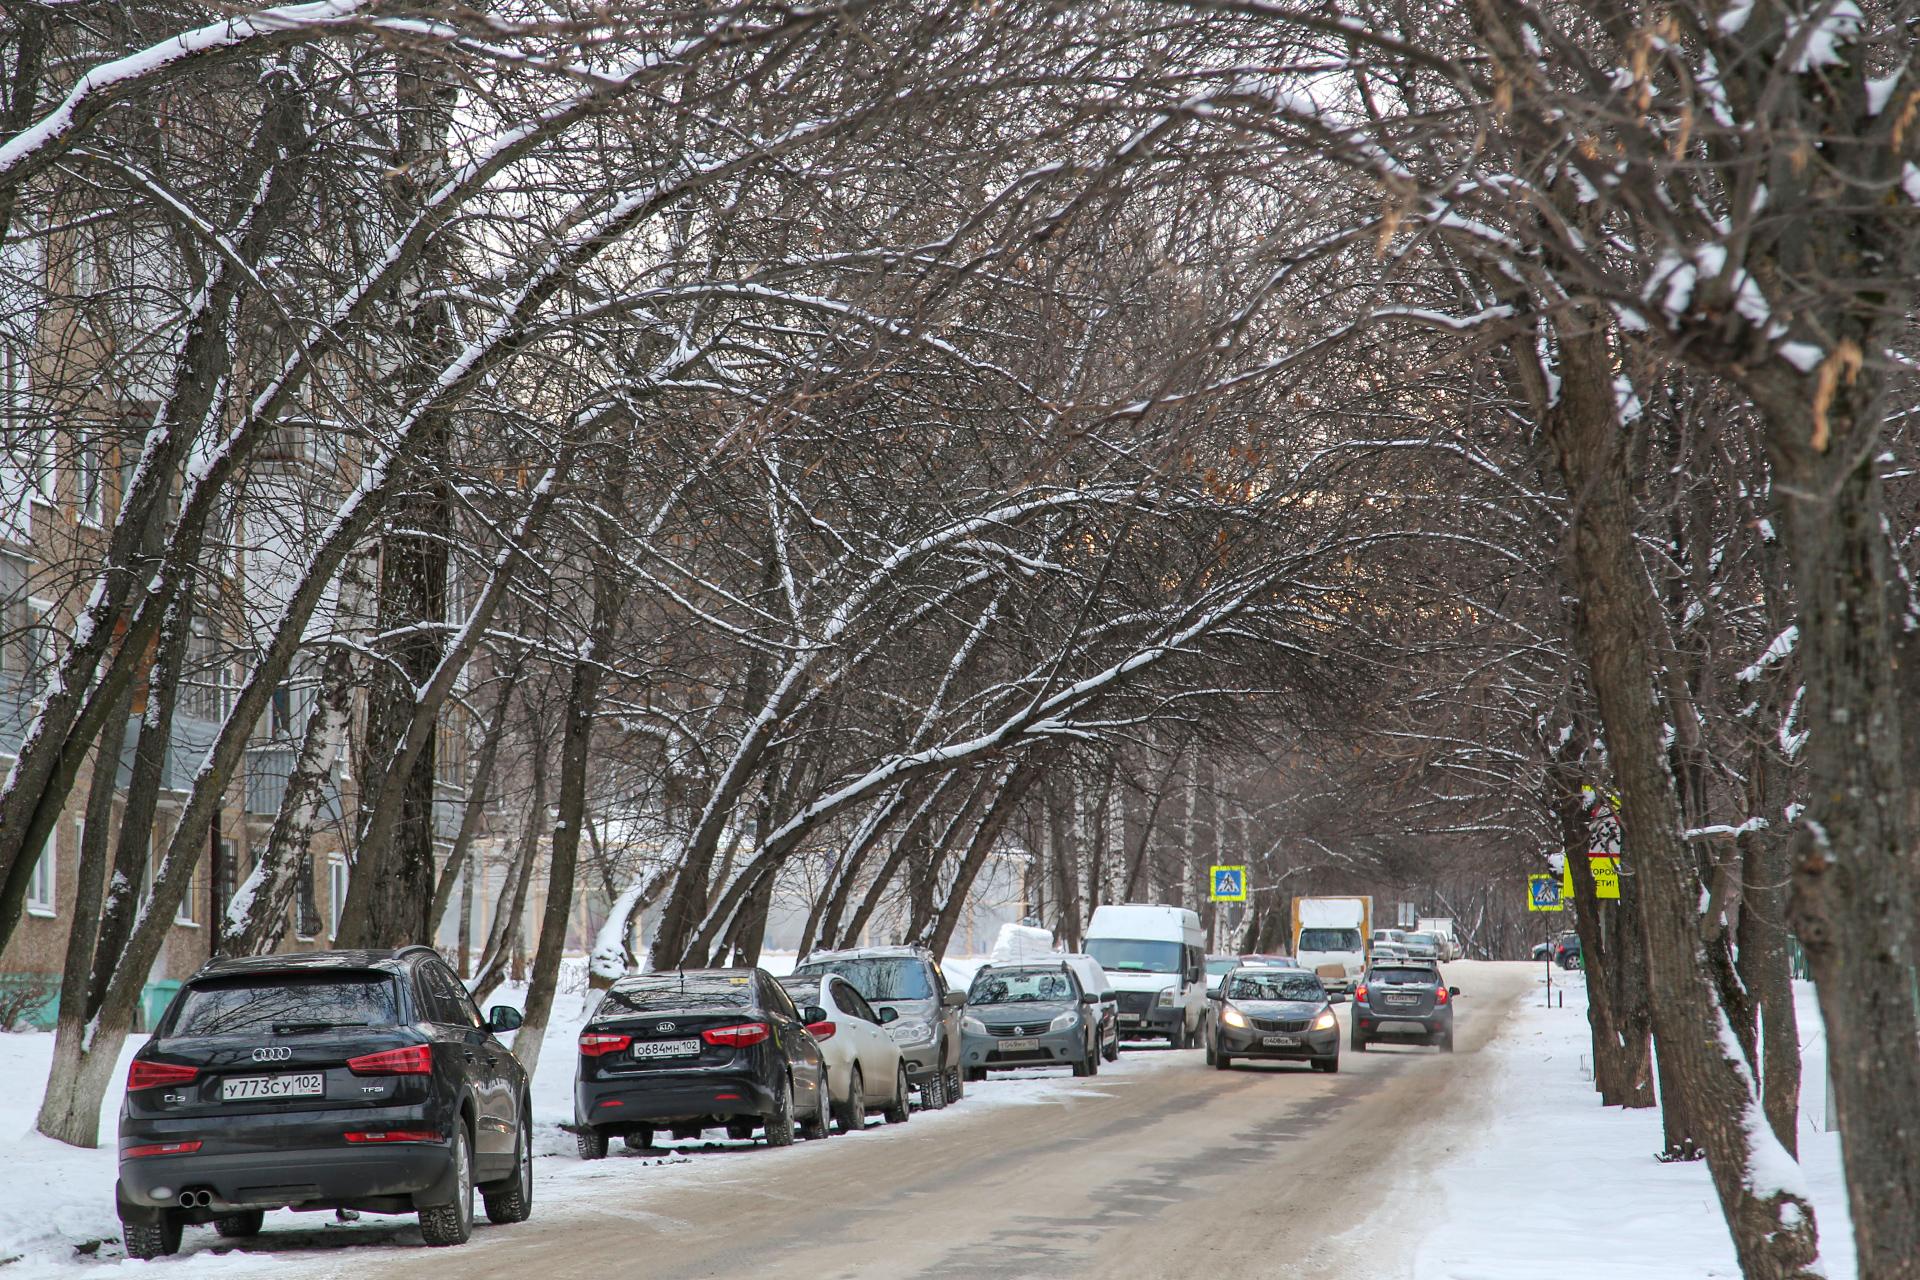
(512,902)
(1772,1226)
(474,815)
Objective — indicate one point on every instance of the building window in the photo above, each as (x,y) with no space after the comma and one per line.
(336,893)
(188,910)
(40,887)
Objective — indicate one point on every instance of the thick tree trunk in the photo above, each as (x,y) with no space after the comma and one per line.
(1772,1226)
(1853,855)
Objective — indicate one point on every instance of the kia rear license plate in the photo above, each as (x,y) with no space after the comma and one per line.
(665,1048)
(1280,1042)
(308,1084)
(1019,1046)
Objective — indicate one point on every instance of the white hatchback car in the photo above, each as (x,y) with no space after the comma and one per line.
(864,1066)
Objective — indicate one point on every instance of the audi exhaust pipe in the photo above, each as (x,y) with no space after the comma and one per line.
(195,1199)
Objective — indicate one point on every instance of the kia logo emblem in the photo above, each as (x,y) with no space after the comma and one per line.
(667,1026)
(272,1053)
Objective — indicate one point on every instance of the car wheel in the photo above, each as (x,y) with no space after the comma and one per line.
(1446,1041)
(1113,1050)
(1178,1038)
(1356,1041)
(902,1105)
(1327,1065)
(592,1143)
(512,1200)
(1221,1061)
(933,1092)
(238,1226)
(1208,1045)
(157,1239)
(956,1085)
(853,1113)
(819,1123)
(448,1224)
(779,1124)
(640,1139)
(976,1074)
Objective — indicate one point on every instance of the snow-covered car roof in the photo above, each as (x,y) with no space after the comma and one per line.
(869,953)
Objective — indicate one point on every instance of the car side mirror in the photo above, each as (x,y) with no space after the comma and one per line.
(1216,994)
(1109,998)
(889,1015)
(813,1013)
(504,1017)
(1088,997)
(1453,991)
(954,1000)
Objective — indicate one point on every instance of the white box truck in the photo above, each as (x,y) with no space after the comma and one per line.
(1156,959)
(1330,937)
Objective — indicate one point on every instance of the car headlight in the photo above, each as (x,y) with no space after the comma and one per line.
(1166,996)
(1232,1016)
(970,1023)
(1325,1021)
(910,1032)
(1063,1021)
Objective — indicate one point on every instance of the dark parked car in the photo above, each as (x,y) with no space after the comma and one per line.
(695,1049)
(1030,1015)
(1403,1003)
(906,988)
(1567,953)
(1266,1012)
(330,1080)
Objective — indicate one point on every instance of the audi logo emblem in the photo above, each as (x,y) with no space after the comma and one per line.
(272,1053)
(668,1026)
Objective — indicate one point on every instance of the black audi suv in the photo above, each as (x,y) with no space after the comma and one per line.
(695,1049)
(361,1080)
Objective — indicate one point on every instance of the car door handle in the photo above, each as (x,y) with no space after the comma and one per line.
(468,1054)
(492,1061)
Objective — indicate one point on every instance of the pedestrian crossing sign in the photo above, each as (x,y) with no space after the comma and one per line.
(1543,893)
(1229,884)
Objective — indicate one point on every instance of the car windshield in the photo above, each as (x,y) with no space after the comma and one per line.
(1126,954)
(1407,977)
(1021,986)
(1277,986)
(804,989)
(285,1004)
(1329,940)
(878,977)
(1427,938)
(662,992)
(1221,964)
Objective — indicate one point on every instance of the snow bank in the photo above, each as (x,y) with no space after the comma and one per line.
(1020,942)
(1555,1184)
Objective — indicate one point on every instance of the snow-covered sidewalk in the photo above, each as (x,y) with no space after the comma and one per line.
(1556,1185)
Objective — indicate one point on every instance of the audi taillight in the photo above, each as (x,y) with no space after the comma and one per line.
(148,1075)
(392,1135)
(414,1060)
(163,1149)
(822,1030)
(739,1036)
(594,1044)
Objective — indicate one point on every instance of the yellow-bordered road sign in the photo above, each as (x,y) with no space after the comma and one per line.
(1543,893)
(1228,884)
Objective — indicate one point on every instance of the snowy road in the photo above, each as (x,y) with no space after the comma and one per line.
(1159,1167)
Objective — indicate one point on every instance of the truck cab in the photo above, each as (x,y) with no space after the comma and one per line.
(1330,938)
(1156,960)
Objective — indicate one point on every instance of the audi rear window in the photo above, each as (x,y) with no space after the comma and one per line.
(675,992)
(285,1004)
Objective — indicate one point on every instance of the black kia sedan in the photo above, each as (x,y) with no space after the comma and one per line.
(359,1080)
(696,1049)
(1267,1013)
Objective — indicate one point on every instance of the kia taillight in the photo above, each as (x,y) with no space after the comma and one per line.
(594,1044)
(739,1036)
(392,1135)
(414,1060)
(163,1149)
(147,1075)
(822,1030)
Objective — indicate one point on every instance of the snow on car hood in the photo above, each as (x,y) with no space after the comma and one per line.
(1129,980)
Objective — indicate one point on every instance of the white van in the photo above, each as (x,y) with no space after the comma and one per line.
(1156,960)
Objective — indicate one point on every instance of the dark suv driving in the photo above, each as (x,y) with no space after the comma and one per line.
(328,1080)
(1405,1002)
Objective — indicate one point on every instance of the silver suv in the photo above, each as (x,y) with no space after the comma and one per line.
(905,987)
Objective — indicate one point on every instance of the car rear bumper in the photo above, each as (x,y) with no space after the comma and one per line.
(1251,1042)
(1052,1048)
(380,1177)
(669,1096)
(1380,1024)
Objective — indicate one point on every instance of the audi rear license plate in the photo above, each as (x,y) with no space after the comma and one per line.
(307,1084)
(1027,1045)
(1280,1042)
(665,1048)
